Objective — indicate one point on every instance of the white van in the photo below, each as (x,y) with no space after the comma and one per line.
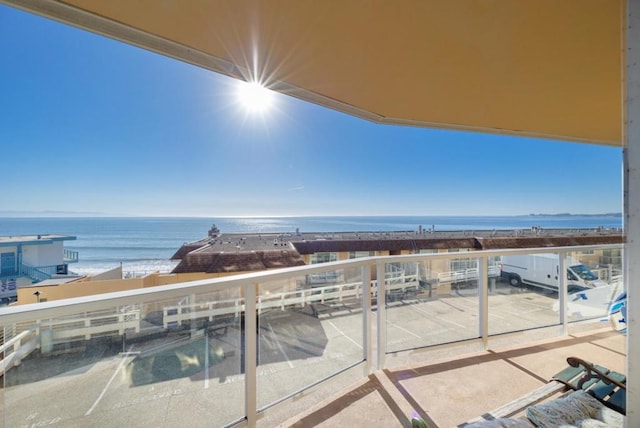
(542,270)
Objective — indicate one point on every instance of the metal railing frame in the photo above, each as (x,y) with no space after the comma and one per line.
(70,256)
(250,283)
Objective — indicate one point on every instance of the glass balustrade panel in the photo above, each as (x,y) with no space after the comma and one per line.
(595,283)
(523,294)
(160,363)
(309,328)
(431,302)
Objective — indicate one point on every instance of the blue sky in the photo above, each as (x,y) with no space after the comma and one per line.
(91,125)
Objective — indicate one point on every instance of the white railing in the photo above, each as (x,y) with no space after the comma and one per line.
(20,345)
(70,256)
(607,273)
(466,274)
(178,314)
(129,318)
(17,348)
(41,273)
(88,326)
(395,282)
(117,313)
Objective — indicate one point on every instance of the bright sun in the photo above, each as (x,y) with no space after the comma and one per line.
(254,97)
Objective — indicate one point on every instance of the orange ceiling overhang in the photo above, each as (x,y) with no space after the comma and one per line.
(542,68)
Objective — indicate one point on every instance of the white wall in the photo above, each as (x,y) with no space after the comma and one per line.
(30,255)
(43,255)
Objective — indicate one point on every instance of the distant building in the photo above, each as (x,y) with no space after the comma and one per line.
(30,259)
(235,253)
(33,264)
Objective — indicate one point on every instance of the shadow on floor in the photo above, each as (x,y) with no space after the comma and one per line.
(392,384)
(352,396)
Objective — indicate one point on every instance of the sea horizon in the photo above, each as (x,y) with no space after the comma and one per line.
(71,214)
(146,244)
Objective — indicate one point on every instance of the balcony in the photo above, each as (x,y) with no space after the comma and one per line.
(187,352)
(446,390)
(70,256)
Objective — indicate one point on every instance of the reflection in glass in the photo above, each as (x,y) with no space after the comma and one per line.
(131,365)
(431,302)
(309,328)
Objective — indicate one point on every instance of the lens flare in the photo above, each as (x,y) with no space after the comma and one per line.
(254,97)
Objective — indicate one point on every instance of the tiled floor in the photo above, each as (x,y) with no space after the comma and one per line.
(451,391)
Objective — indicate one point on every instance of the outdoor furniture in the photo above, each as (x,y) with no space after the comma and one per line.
(607,386)
(586,379)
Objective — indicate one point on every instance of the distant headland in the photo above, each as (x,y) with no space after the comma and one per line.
(577,215)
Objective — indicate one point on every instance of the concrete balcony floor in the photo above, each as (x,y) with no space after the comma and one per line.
(447,391)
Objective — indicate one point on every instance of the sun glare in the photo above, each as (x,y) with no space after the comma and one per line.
(254,97)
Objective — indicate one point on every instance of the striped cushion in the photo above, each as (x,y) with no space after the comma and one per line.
(578,409)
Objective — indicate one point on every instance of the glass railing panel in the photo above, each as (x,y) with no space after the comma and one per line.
(594,281)
(525,294)
(145,362)
(131,365)
(435,302)
(310,327)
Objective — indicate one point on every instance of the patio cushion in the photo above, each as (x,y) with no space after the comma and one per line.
(591,423)
(605,385)
(579,409)
(501,423)
(610,417)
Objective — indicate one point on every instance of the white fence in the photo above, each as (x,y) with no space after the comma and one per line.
(46,333)
(17,348)
(93,325)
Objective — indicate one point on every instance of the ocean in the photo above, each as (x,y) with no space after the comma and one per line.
(145,244)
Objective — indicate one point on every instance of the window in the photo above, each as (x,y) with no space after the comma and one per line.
(472,263)
(583,272)
(463,264)
(611,256)
(358,254)
(612,252)
(323,257)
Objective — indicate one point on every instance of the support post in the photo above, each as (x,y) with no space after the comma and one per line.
(562,292)
(250,354)
(631,159)
(367,348)
(381,304)
(483,300)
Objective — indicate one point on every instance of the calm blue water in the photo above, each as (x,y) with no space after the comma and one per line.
(144,244)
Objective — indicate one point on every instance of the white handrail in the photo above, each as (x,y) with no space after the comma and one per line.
(19,348)
(68,307)
(87,326)
(15,340)
(116,313)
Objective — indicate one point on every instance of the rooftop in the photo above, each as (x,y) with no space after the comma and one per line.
(309,242)
(237,252)
(33,239)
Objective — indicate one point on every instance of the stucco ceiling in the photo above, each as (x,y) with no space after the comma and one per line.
(542,68)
